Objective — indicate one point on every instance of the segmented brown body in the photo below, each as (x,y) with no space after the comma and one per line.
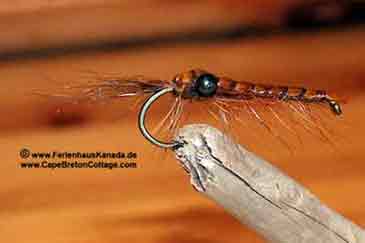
(227,88)
(246,90)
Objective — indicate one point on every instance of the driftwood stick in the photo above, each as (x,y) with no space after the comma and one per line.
(258,194)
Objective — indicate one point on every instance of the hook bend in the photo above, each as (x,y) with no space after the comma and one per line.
(142,117)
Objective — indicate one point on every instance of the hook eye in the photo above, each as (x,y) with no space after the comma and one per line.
(142,117)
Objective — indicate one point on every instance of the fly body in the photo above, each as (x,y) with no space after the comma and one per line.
(201,84)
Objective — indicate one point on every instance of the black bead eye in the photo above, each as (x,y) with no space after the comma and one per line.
(206,85)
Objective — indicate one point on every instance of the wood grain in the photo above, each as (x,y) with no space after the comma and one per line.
(40,24)
(155,203)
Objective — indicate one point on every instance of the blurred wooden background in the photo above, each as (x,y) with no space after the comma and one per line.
(45,45)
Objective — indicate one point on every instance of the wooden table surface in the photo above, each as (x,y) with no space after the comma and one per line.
(155,202)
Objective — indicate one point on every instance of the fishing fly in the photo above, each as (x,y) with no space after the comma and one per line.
(199,86)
